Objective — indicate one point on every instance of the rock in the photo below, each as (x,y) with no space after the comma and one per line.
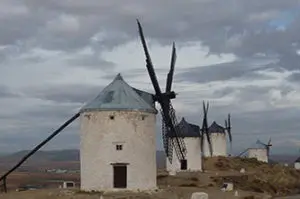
(172,173)
(236,193)
(199,195)
(242,170)
(227,186)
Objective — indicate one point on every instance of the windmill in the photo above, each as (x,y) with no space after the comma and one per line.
(167,111)
(216,136)
(267,146)
(260,151)
(228,130)
(204,133)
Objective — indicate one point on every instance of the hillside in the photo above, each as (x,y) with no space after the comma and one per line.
(73,155)
(258,181)
(54,159)
(273,179)
(42,156)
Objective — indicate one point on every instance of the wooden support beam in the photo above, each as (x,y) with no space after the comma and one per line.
(35,149)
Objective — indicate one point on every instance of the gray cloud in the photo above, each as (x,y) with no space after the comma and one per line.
(92,61)
(196,21)
(28,138)
(220,72)
(79,93)
(295,77)
(5,92)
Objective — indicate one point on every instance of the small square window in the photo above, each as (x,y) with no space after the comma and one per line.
(119,147)
(112,117)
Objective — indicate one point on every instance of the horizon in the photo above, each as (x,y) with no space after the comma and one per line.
(162,151)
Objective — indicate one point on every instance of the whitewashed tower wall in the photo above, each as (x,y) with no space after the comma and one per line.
(193,156)
(219,145)
(258,153)
(119,116)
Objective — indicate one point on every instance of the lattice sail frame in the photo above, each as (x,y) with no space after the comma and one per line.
(169,141)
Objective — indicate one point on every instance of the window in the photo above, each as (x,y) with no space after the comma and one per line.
(119,147)
(112,117)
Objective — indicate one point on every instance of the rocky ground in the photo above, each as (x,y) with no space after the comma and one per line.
(275,179)
(165,193)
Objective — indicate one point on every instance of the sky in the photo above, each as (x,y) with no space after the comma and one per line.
(242,56)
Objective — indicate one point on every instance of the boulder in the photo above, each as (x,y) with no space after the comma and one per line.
(242,170)
(227,186)
(199,195)
(172,173)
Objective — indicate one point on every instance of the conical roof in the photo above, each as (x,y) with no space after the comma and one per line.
(118,95)
(188,129)
(216,128)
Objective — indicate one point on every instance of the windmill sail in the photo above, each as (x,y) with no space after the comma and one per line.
(228,130)
(204,133)
(164,99)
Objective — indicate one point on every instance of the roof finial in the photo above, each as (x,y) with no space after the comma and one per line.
(119,77)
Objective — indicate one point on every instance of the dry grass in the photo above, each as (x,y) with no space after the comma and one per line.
(259,177)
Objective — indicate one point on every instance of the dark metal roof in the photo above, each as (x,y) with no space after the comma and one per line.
(118,95)
(188,129)
(216,128)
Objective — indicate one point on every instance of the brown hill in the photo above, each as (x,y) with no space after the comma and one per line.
(260,177)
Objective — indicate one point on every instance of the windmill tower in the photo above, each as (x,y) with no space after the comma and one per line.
(118,145)
(193,137)
(218,139)
(190,134)
(260,151)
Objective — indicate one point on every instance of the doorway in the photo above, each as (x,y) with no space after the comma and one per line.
(120,175)
(183,164)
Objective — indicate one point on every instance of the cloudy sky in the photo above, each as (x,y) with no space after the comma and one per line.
(243,56)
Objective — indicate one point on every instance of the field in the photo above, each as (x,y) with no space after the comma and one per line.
(259,181)
(181,186)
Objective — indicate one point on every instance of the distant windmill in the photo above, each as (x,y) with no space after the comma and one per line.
(261,151)
(267,146)
(194,137)
(204,133)
(216,145)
